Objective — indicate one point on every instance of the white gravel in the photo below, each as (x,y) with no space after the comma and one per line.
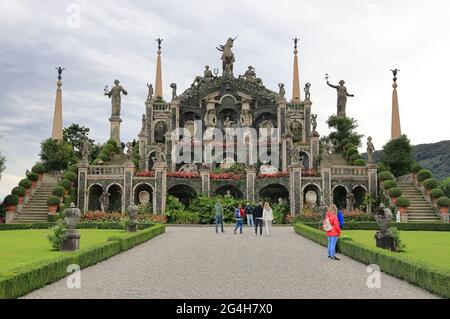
(195,262)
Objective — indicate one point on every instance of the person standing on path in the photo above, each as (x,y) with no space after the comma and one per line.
(218,214)
(258,214)
(238,214)
(268,218)
(340,217)
(333,232)
(249,215)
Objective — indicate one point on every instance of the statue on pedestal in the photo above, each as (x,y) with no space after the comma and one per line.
(227,57)
(370,150)
(115,95)
(307,93)
(246,118)
(342,96)
(210,118)
(282,91)
(173,86)
(206,78)
(104,201)
(314,122)
(85,149)
(384,238)
(150,91)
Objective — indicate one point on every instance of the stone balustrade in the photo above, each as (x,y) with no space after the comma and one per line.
(110,170)
(161,107)
(348,171)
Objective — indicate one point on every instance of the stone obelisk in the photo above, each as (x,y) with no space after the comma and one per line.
(296,80)
(57,131)
(396,131)
(158,82)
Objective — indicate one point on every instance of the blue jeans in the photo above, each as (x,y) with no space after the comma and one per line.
(219,220)
(332,240)
(239,224)
(250,221)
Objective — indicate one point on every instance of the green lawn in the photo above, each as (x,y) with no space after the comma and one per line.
(21,247)
(428,247)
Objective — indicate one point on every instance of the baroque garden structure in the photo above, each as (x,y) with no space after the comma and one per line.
(186,146)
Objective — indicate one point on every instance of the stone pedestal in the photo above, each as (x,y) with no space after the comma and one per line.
(444,217)
(251,177)
(9,217)
(315,150)
(372,172)
(82,201)
(132,228)
(295,189)
(115,128)
(72,241)
(326,182)
(160,187)
(205,175)
(404,218)
(385,241)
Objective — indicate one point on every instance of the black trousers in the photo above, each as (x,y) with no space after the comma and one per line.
(260,223)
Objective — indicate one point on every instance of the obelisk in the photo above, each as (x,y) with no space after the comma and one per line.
(296,80)
(158,82)
(396,131)
(57,131)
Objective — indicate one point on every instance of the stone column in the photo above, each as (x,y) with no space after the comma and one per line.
(251,179)
(82,201)
(174,106)
(169,160)
(143,136)
(372,175)
(128,173)
(295,189)
(115,128)
(326,185)
(315,151)
(307,138)
(282,117)
(206,185)
(284,154)
(150,128)
(160,188)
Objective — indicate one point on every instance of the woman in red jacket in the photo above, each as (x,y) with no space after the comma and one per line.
(334,233)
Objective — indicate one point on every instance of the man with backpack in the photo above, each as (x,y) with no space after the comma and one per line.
(249,214)
(239,215)
(218,214)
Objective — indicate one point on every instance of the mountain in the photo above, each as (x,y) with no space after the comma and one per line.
(435,157)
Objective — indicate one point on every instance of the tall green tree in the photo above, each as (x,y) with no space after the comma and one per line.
(74,135)
(343,132)
(57,155)
(398,155)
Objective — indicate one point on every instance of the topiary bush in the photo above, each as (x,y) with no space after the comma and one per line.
(103,157)
(71,176)
(38,168)
(59,191)
(25,183)
(430,183)
(389,184)
(359,162)
(354,157)
(436,193)
(33,176)
(402,202)
(443,202)
(348,145)
(424,174)
(351,151)
(415,168)
(53,200)
(395,192)
(384,176)
(11,200)
(19,191)
(66,184)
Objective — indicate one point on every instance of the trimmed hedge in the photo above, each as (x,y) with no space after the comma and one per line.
(79,226)
(25,279)
(58,191)
(33,176)
(402,202)
(359,162)
(430,183)
(416,168)
(20,191)
(385,175)
(422,275)
(11,200)
(443,202)
(53,200)
(38,169)
(71,176)
(389,184)
(424,174)
(437,226)
(25,183)
(66,184)
(395,192)
(437,193)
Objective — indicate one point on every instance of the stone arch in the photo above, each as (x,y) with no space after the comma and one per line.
(316,189)
(228,96)
(273,192)
(306,159)
(160,130)
(144,187)
(234,191)
(261,118)
(185,193)
(359,192)
(94,192)
(340,196)
(115,198)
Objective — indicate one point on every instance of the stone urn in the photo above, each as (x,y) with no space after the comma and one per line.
(383,236)
(72,217)
(132,214)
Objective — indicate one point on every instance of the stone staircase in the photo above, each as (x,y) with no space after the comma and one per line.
(420,210)
(36,209)
(336,159)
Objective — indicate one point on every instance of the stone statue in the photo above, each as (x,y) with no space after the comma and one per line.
(159,40)
(370,150)
(227,123)
(104,201)
(350,201)
(246,118)
(130,150)
(159,150)
(210,118)
(188,168)
(114,95)
(85,149)
(132,214)
(267,169)
(144,197)
(206,78)
(60,71)
(282,91)
(250,76)
(150,91)
(296,130)
(394,73)
(342,96)
(295,42)
(173,86)
(314,122)
(228,194)
(227,57)
(307,93)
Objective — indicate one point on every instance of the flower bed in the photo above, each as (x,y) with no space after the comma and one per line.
(225,176)
(310,173)
(274,175)
(145,174)
(104,217)
(183,175)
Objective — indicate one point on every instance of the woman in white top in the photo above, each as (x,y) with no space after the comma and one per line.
(268,218)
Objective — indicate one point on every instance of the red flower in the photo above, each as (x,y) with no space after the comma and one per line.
(145,174)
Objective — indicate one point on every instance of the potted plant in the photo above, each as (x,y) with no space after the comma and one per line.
(26,183)
(33,177)
(39,169)
(53,203)
(10,202)
(435,194)
(423,175)
(359,162)
(59,192)
(389,184)
(66,184)
(402,204)
(20,192)
(394,193)
(71,176)
(444,203)
(385,176)
(414,170)
(430,184)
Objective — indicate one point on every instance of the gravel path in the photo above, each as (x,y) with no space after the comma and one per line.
(194,262)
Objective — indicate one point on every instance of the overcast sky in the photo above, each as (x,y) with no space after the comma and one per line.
(358,41)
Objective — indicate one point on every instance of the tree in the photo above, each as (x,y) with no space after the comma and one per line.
(74,135)
(2,165)
(398,155)
(57,155)
(344,132)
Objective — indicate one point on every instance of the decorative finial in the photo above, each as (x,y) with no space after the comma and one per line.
(394,72)
(295,43)
(60,71)
(159,40)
